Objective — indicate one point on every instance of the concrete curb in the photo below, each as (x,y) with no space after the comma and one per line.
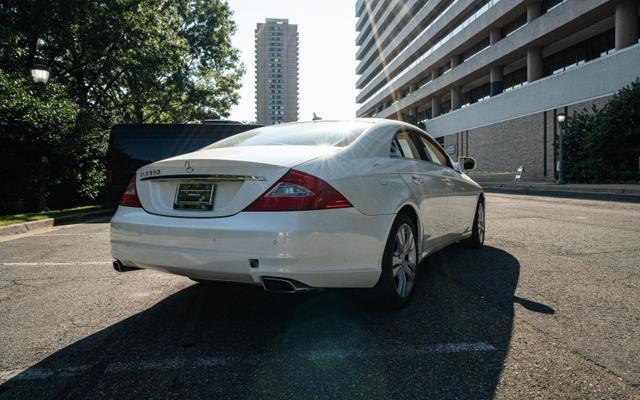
(565,189)
(33,226)
(567,194)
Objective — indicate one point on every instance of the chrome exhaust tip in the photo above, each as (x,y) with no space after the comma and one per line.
(120,267)
(278,285)
(282,285)
(117,265)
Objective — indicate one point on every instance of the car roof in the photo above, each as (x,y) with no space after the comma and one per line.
(375,122)
(337,121)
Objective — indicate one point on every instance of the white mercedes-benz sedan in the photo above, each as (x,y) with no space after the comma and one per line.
(302,206)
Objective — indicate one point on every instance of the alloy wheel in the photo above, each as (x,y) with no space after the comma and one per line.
(404,260)
(481,223)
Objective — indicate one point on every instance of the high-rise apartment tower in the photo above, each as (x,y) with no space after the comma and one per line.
(276,72)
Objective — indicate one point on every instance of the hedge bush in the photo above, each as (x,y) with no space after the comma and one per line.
(603,146)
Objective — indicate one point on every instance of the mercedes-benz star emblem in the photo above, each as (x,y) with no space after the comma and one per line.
(188,167)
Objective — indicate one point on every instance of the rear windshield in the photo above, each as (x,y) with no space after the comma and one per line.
(338,134)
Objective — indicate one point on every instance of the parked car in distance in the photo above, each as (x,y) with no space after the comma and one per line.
(133,145)
(302,206)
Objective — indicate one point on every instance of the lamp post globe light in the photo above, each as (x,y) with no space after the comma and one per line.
(40,73)
(561,121)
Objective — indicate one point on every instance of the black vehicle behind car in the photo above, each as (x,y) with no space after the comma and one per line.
(132,146)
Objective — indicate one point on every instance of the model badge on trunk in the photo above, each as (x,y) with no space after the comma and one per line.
(152,172)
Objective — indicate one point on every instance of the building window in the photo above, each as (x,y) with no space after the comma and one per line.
(423,81)
(551,4)
(480,93)
(515,79)
(514,25)
(590,49)
(483,44)
(445,106)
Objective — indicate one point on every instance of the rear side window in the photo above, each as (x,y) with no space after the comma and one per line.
(403,146)
(434,152)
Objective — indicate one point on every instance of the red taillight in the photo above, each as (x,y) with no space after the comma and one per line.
(130,196)
(297,191)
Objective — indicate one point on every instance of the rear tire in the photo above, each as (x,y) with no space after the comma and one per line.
(399,265)
(477,233)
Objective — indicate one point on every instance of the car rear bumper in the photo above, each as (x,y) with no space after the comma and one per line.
(323,248)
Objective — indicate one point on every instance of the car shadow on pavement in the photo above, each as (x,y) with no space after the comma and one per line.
(212,341)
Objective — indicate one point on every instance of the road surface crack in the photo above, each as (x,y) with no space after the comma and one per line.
(18,283)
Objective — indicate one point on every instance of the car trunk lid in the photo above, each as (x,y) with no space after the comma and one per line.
(217,182)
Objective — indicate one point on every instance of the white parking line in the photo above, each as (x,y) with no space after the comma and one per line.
(213,362)
(444,348)
(53,264)
(71,234)
(34,374)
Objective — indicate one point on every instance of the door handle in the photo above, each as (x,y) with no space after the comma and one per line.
(448,182)
(417,179)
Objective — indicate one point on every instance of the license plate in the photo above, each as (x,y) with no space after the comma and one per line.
(195,196)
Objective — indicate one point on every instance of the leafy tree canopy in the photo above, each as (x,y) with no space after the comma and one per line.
(26,117)
(112,61)
(143,60)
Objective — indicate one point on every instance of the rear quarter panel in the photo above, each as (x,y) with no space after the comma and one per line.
(365,174)
(372,190)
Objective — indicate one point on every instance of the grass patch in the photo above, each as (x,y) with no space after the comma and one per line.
(18,218)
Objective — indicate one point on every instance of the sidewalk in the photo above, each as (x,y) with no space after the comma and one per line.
(25,227)
(629,190)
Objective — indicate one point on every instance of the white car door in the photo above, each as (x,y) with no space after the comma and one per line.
(428,185)
(461,197)
(437,187)
(463,202)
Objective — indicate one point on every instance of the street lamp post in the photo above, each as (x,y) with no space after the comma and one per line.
(561,121)
(40,75)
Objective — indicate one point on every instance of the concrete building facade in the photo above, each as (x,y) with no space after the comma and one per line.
(488,77)
(276,58)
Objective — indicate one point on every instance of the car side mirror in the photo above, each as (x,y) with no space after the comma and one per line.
(466,163)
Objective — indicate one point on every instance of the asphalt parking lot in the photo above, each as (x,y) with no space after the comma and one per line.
(549,308)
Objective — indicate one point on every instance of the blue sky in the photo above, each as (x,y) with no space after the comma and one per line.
(327,53)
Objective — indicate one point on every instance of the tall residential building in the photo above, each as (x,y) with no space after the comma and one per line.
(489,77)
(276,72)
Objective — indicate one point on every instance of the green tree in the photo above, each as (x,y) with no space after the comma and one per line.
(617,138)
(580,159)
(148,60)
(142,61)
(33,131)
